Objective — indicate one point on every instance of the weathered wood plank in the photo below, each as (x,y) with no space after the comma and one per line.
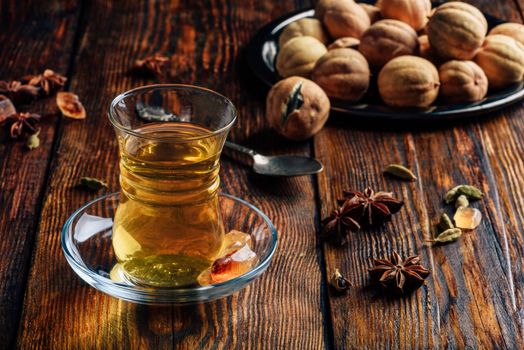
(31,41)
(354,159)
(472,298)
(52,316)
(284,308)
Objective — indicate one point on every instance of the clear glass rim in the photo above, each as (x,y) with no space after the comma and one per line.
(152,87)
(138,294)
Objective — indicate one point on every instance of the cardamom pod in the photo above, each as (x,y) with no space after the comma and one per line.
(400,172)
(452,195)
(92,183)
(471,192)
(445,222)
(33,141)
(462,202)
(450,235)
(339,282)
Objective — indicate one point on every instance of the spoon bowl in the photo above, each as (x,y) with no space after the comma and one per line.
(286,165)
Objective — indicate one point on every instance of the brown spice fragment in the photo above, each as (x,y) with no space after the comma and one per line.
(370,208)
(399,276)
(339,282)
(49,82)
(21,123)
(338,225)
(151,65)
(17,92)
(70,105)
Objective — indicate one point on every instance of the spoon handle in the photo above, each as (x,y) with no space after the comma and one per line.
(240,148)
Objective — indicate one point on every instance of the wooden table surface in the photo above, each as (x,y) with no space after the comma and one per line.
(473,298)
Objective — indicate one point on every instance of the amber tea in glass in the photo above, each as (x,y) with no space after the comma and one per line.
(167,228)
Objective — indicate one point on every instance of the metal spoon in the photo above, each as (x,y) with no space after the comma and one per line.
(279,165)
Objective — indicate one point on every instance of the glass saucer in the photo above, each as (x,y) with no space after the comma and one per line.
(86,241)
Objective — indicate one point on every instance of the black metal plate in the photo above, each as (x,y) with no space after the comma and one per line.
(262,50)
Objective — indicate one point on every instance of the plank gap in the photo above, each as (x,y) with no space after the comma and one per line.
(325,285)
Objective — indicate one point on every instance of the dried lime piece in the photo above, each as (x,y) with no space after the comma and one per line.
(70,105)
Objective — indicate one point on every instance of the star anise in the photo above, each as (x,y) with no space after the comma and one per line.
(369,208)
(397,275)
(49,82)
(151,64)
(17,92)
(22,123)
(338,224)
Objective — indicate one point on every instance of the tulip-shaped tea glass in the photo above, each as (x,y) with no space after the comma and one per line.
(167,228)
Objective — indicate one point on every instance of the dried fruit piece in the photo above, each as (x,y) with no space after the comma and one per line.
(387,39)
(449,235)
(303,27)
(456,30)
(462,81)
(344,18)
(92,183)
(298,56)
(408,81)
(343,74)
(372,11)
(445,222)
(33,141)
(502,59)
(513,30)
(425,50)
(345,42)
(413,12)
(400,172)
(467,218)
(339,282)
(297,108)
(322,7)
(70,105)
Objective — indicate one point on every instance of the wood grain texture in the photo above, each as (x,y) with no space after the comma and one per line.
(31,42)
(284,308)
(472,299)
